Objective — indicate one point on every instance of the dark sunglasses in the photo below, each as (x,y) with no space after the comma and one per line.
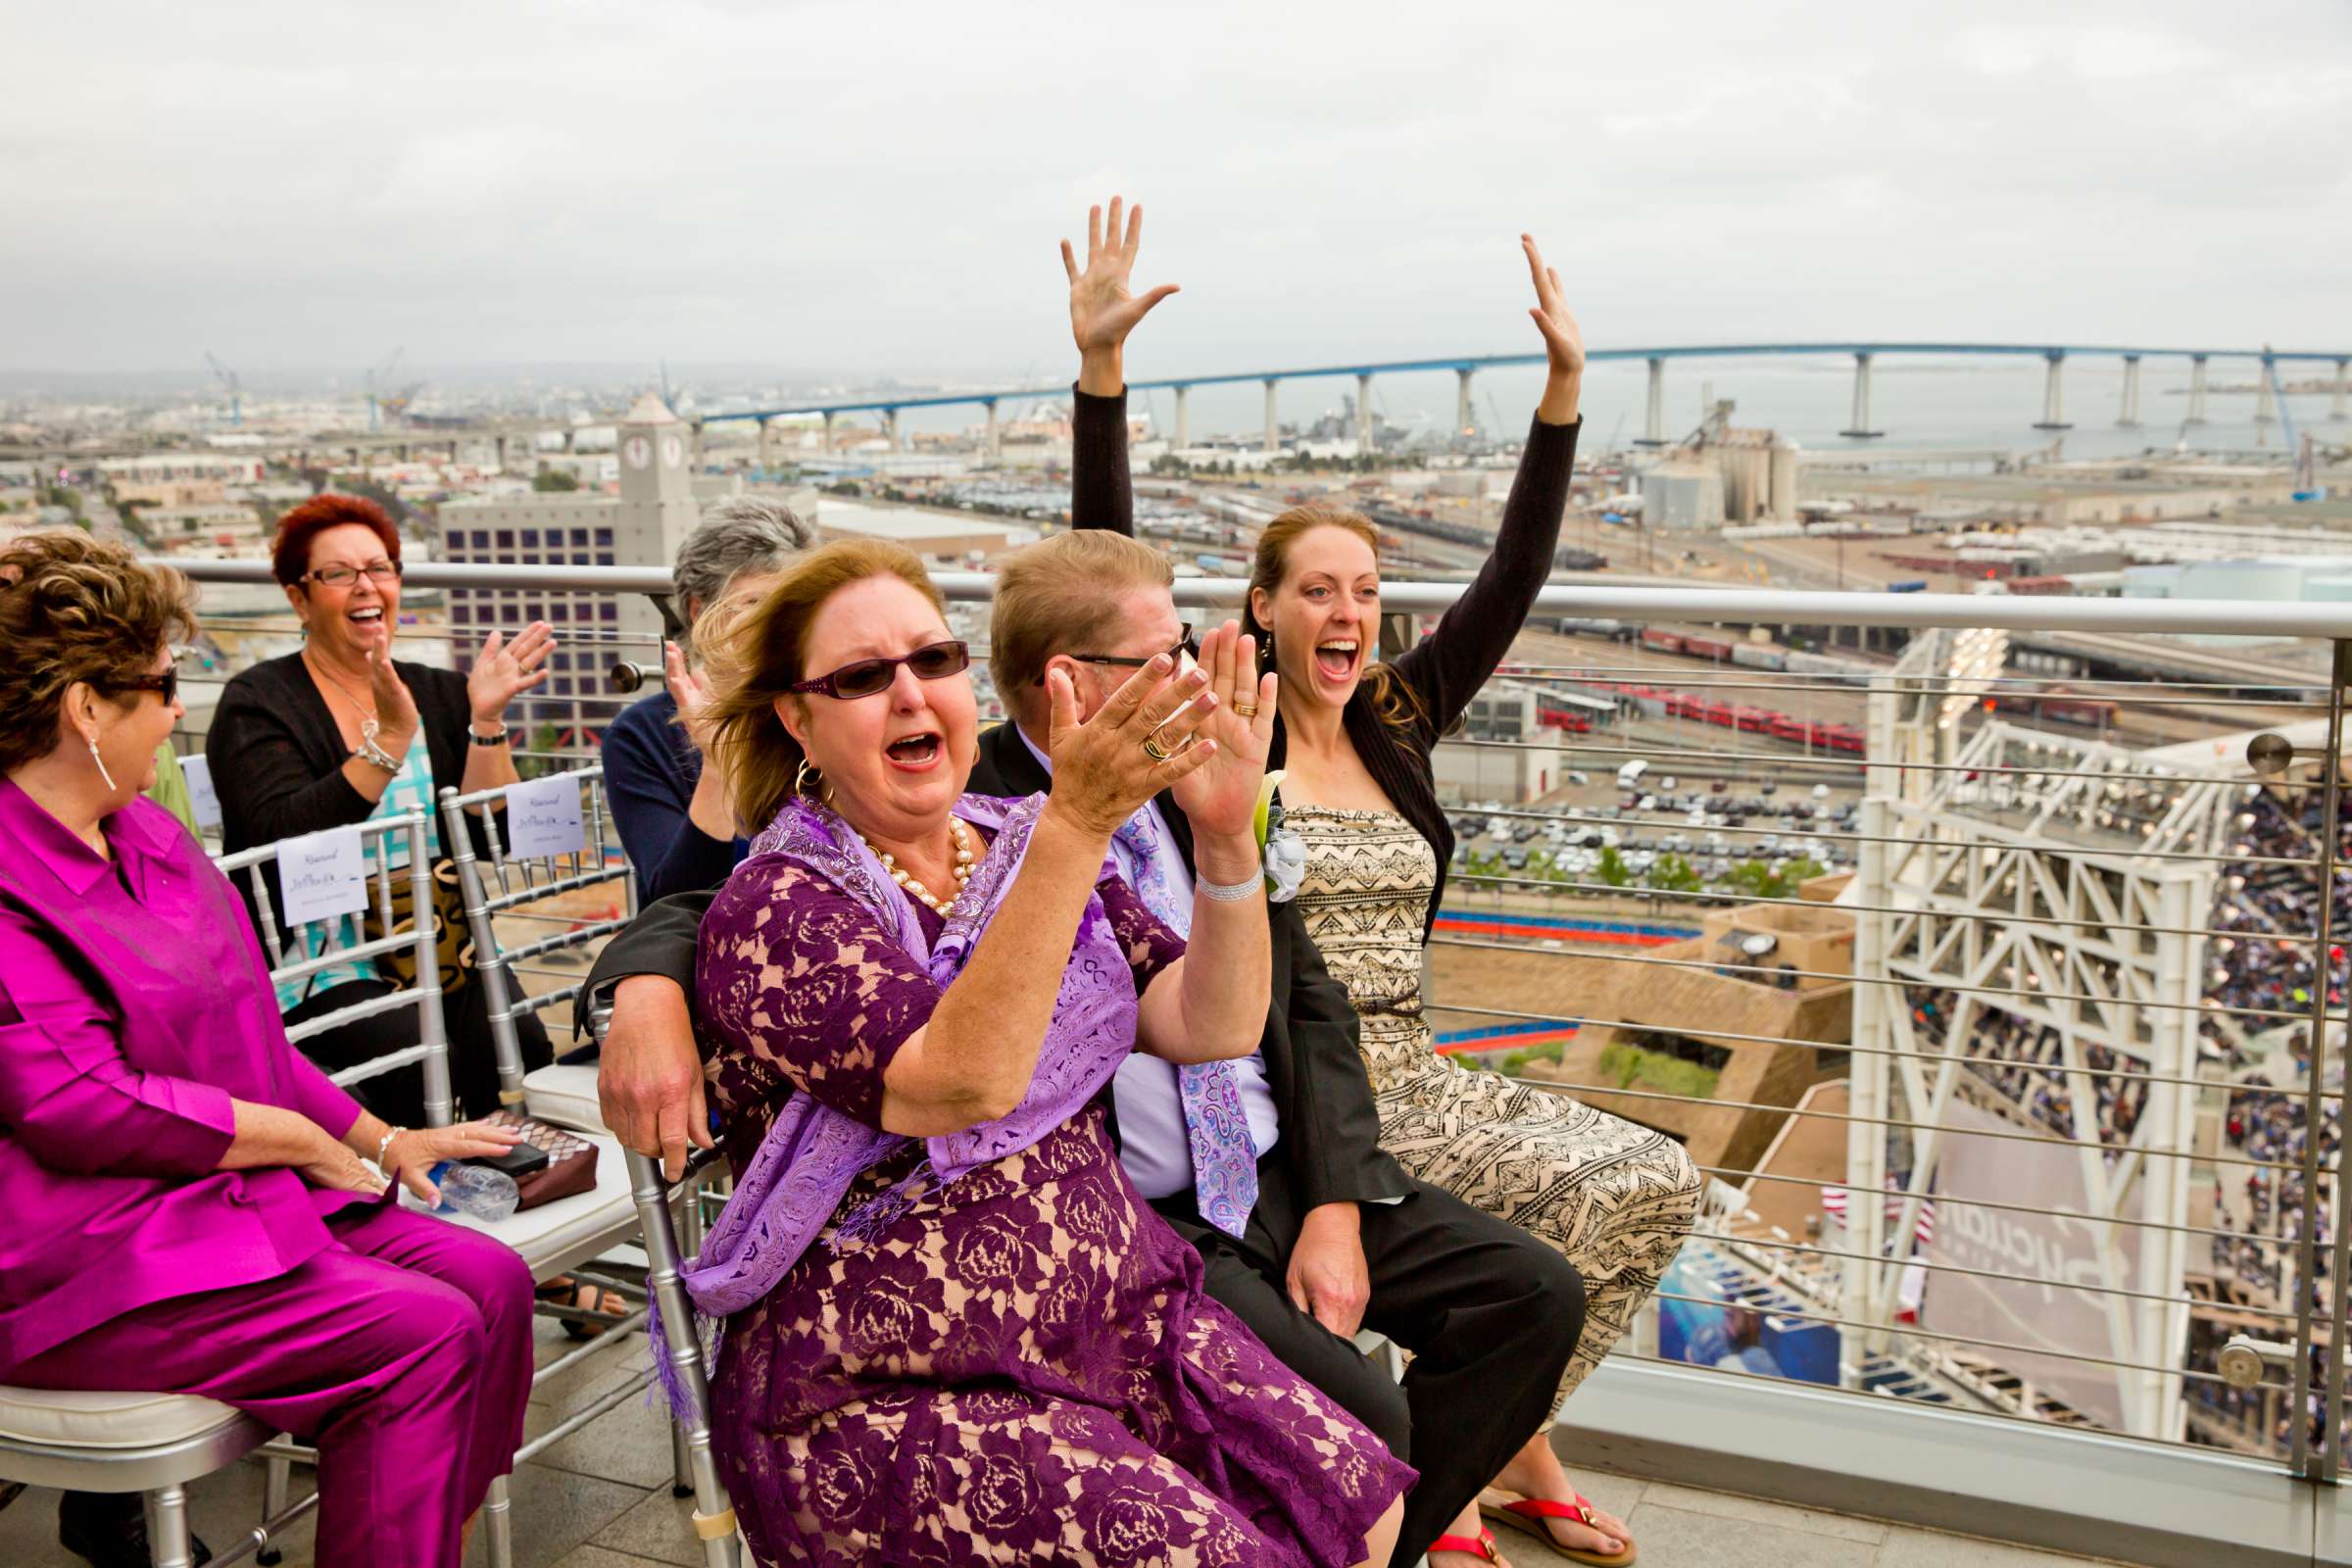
(867,676)
(1186,643)
(166,683)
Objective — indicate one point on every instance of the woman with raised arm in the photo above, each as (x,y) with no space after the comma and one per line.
(954,1334)
(1354,742)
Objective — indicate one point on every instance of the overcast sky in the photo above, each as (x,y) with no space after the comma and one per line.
(878,186)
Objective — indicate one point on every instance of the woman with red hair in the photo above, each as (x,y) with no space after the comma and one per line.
(339,732)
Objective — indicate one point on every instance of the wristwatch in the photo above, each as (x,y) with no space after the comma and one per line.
(480,739)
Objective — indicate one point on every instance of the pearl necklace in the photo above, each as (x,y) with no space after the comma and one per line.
(898,874)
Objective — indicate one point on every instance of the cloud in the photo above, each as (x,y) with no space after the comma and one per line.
(839,188)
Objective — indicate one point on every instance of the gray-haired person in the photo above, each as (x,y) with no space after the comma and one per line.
(671,811)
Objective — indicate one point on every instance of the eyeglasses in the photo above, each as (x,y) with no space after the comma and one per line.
(166,683)
(931,661)
(384,573)
(1186,643)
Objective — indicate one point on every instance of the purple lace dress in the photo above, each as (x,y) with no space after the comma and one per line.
(1017,1365)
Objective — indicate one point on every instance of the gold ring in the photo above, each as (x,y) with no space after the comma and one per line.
(1154,750)
(1246,709)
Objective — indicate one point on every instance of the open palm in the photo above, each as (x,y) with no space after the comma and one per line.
(1221,797)
(1103,308)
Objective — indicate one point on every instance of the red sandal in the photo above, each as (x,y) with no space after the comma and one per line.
(1483,1548)
(1530,1513)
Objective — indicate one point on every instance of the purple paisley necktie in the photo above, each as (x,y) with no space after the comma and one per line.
(1224,1160)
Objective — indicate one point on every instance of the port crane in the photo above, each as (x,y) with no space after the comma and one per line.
(236,391)
(381,374)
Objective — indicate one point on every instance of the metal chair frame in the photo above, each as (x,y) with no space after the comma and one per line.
(496,886)
(162,1471)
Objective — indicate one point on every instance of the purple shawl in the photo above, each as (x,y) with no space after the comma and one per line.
(813,1152)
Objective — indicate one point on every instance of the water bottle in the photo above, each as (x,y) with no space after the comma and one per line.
(489,1196)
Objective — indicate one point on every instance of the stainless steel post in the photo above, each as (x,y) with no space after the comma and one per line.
(2314,1105)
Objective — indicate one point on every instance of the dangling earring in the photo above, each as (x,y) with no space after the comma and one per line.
(101,761)
(799,777)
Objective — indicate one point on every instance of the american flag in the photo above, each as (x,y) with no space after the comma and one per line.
(1832,1203)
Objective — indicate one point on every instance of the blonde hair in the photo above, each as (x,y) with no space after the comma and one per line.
(1396,703)
(1061,597)
(758,650)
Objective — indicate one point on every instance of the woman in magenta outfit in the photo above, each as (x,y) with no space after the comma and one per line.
(953,1333)
(191,1204)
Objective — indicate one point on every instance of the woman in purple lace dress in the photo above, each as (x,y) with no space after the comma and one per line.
(953,1333)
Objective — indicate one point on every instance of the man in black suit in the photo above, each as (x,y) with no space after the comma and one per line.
(1339,1236)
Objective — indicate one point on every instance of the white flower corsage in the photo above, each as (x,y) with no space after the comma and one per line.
(1283,852)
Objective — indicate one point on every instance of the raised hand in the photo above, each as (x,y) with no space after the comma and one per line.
(1143,740)
(1563,341)
(395,705)
(1221,796)
(690,689)
(504,670)
(1103,310)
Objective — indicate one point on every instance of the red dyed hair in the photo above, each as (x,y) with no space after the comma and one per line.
(290,550)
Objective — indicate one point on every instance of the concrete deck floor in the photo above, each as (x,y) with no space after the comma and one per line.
(601,1499)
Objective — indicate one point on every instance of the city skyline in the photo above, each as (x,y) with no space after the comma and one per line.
(790,188)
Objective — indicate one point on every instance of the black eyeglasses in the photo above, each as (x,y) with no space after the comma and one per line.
(383,573)
(1186,643)
(931,661)
(166,683)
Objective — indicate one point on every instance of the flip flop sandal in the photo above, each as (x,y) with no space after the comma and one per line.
(1530,1513)
(587,1299)
(1483,1548)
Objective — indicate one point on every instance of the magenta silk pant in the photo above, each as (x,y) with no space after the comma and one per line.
(402,1351)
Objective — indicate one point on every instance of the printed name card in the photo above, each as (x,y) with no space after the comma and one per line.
(322,875)
(197,774)
(543,817)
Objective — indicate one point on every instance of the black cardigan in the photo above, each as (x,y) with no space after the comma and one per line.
(277,757)
(1444,668)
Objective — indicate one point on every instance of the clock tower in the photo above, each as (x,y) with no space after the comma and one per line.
(653,449)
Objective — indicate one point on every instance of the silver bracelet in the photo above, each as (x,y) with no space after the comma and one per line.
(375,756)
(1231,891)
(383,1144)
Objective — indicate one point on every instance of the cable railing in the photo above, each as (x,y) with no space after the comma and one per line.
(1985,911)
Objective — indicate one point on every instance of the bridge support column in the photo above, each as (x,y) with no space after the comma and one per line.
(992,441)
(767,439)
(890,427)
(828,432)
(2129,419)
(2196,390)
(1653,428)
(1861,429)
(1273,441)
(693,447)
(1184,417)
(498,445)
(1363,415)
(2337,409)
(2266,399)
(2053,394)
(1464,422)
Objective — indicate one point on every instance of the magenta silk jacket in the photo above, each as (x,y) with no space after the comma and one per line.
(134,1003)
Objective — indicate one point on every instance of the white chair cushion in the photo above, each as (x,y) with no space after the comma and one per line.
(560,1229)
(108,1420)
(564,1096)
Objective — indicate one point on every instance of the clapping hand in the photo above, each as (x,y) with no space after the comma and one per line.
(1221,796)
(690,689)
(504,670)
(1143,740)
(1103,308)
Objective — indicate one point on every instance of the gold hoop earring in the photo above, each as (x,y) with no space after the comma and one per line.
(799,777)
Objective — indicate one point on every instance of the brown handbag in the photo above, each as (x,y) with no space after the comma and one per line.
(571,1167)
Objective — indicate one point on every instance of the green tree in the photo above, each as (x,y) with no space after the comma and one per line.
(1613,869)
(555,481)
(1759,880)
(1673,873)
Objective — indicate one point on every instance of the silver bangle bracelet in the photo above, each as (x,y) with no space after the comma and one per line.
(375,756)
(1231,891)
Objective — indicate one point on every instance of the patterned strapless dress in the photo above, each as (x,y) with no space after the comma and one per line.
(1615,1198)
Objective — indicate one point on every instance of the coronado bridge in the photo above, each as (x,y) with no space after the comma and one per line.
(1466,367)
